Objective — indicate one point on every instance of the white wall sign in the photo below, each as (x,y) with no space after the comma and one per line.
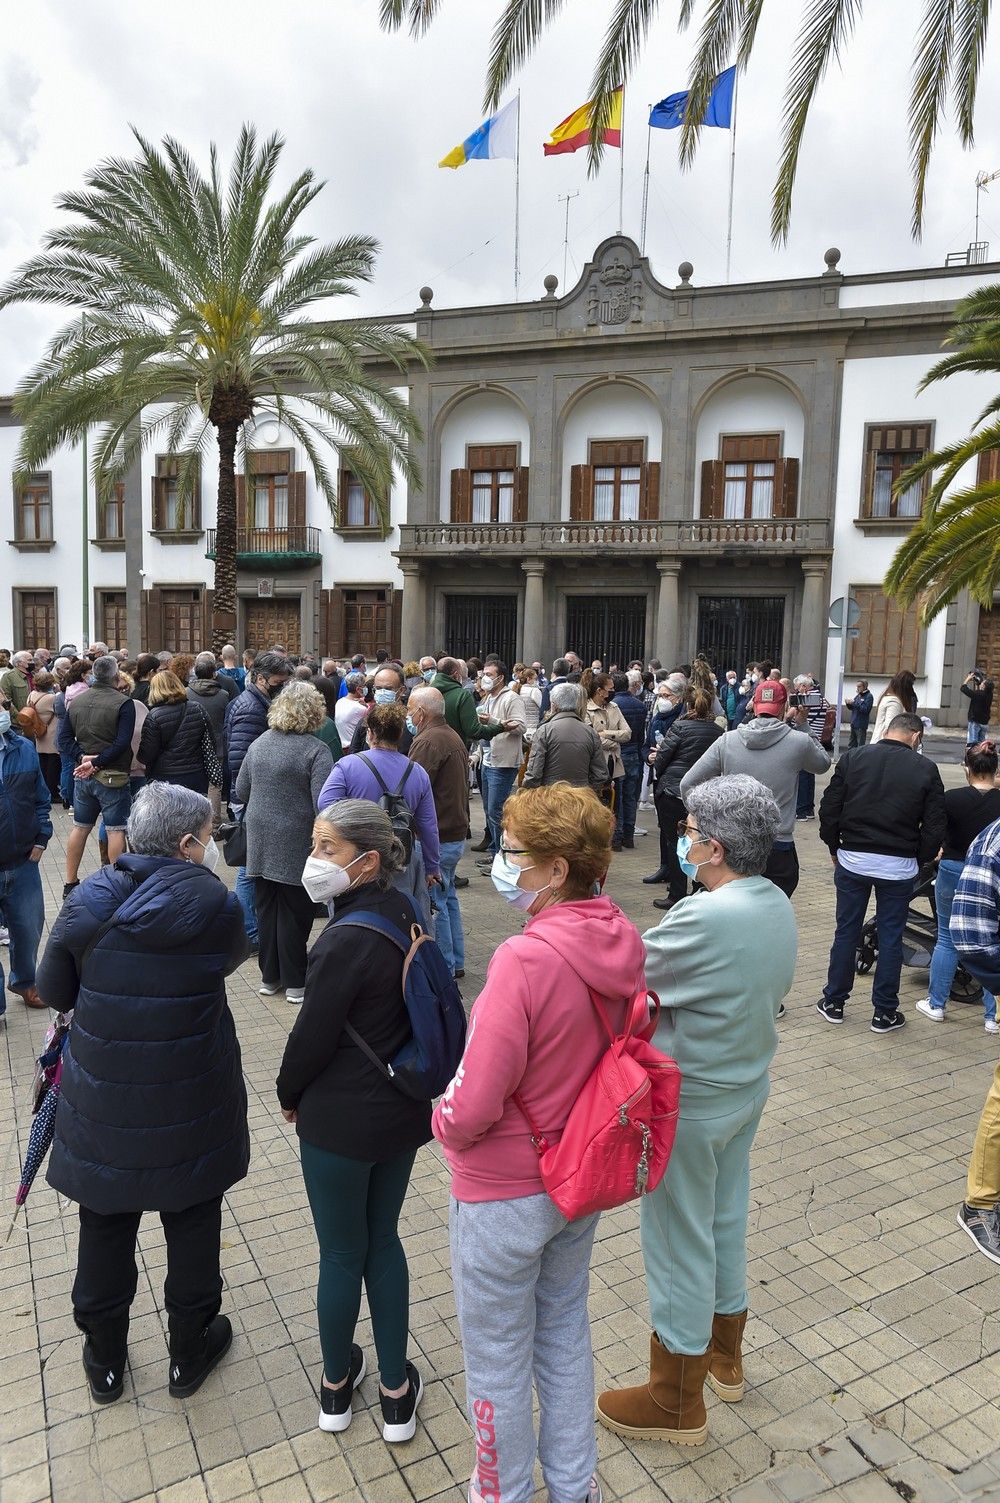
(265,589)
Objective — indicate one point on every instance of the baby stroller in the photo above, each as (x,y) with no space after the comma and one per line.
(919,939)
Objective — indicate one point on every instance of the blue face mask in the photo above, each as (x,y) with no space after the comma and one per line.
(505,875)
(385,696)
(689,868)
(4,722)
(428,674)
(413,729)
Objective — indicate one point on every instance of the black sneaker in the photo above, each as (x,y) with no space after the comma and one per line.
(335,1403)
(983,1227)
(399,1416)
(781,1011)
(885,1022)
(832,1011)
(189,1371)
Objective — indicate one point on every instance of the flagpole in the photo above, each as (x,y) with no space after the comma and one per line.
(621,166)
(732,177)
(645,188)
(517,202)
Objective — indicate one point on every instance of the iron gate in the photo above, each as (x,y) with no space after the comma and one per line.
(478,624)
(734,630)
(609,627)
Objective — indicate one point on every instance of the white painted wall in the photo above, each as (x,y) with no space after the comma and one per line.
(931,290)
(750,404)
(485,417)
(885,390)
(615,410)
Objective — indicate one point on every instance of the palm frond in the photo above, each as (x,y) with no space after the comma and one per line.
(418,14)
(971,23)
(517,30)
(929,94)
(716,43)
(627,30)
(960,551)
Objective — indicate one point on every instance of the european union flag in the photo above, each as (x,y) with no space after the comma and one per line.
(669,113)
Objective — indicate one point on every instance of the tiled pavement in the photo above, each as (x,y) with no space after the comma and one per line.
(874,1339)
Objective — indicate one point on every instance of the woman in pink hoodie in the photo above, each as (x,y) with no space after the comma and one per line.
(520,1269)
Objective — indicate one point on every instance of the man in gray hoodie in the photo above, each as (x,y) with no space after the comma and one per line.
(773,752)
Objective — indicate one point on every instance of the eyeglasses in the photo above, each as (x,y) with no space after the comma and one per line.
(683,828)
(510,850)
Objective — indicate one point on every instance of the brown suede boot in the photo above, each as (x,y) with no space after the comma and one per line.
(671,1406)
(725,1373)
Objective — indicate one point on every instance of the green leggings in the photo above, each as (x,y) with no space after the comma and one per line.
(355,1208)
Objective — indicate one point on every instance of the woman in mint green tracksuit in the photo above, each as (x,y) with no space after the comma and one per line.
(721,962)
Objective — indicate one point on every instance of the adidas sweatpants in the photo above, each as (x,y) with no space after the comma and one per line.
(521,1273)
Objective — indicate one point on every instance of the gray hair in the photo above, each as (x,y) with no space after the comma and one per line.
(105,670)
(677,683)
(23,656)
(428,699)
(634,679)
(205,665)
(162,814)
(355,681)
(367,826)
(568,697)
(742,815)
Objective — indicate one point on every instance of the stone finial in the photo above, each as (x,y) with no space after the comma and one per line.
(550,284)
(426,294)
(685,271)
(831,257)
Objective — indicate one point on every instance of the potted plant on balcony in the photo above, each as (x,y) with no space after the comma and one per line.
(190,293)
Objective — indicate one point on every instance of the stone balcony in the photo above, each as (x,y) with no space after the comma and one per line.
(771,537)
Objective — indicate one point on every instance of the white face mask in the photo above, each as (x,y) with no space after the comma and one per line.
(487,684)
(324,880)
(210,859)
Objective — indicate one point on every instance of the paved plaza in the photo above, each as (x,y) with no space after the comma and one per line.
(873,1345)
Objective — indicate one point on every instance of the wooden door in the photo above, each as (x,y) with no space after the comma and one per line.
(366,622)
(113,621)
(38,620)
(988,644)
(183,628)
(270,621)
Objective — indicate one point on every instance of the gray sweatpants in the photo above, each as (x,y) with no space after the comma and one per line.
(521,1273)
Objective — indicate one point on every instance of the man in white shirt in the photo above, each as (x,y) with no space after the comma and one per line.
(502,754)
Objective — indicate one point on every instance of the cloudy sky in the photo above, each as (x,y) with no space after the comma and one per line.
(372,115)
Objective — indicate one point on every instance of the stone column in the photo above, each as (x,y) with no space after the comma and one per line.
(534,604)
(413,622)
(134,539)
(667,635)
(809,654)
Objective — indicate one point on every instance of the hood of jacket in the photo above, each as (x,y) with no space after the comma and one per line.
(446,684)
(763,732)
(174,899)
(596,940)
(208,687)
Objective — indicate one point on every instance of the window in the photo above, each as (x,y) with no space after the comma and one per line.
(35,619)
(492,489)
(988,468)
(173,512)
(617,479)
(111,516)
(889,638)
(33,512)
(493,479)
(356,506)
(750,464)
(889,450)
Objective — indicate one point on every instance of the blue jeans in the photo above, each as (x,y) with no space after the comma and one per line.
(22,911)
(944,961)
(977,732)
(448,923)
(247,895)
(92,802)
(66,766)
(628,791)
(806,801)
(892,899)
(496,784)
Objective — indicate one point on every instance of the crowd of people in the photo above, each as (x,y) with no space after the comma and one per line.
(342,790)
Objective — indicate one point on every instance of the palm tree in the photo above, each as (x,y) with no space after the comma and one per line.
(948,53)
(191,293)
(956,545)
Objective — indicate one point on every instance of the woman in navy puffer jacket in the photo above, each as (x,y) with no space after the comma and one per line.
(152,1114)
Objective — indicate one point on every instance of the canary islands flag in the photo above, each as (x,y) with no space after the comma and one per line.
(496,137)
(574,131)
(669,113)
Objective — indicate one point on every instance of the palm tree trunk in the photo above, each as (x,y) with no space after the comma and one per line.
(224,606)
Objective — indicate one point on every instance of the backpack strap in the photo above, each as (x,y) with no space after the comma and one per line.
(374,922)
(402,782)
(378,778)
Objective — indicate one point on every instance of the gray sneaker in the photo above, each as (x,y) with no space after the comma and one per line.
(983,1227)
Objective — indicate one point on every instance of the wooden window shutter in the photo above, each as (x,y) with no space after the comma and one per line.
(745,448)
(521,493)
(461,496)
(297,499)
(157,497)
(712,488)
(336,627)
(396,629)
(988,467)
(786,487)
(581,493)
(242,517)
(491,456)
(622,451)
(343,484)
(649,492)
(270,461)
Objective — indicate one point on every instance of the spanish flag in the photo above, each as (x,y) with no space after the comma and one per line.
(574,131)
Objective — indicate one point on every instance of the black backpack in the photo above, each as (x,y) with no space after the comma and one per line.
(399,812)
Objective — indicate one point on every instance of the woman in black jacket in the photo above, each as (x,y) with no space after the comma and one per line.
(358,1134)
(679,750)
(152,1112)
(170,747)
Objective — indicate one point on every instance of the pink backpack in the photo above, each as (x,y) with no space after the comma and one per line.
(617,1140)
